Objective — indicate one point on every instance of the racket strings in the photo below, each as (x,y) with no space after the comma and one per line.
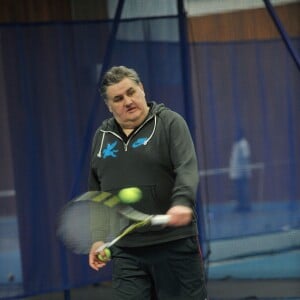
(83,223)
(98,216)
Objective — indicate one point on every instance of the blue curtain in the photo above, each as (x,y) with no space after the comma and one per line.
(51,82)
(250,89)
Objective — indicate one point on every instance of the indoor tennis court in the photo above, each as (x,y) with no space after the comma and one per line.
(230,68)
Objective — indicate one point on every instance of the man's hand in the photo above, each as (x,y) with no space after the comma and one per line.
(180,215)
(94,262)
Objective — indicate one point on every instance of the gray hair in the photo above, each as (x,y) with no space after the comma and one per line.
(115,75)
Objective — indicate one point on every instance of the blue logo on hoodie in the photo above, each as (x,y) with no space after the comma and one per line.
(139,142)
(110,151)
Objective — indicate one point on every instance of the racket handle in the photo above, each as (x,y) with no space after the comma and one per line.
(160,219)
(102,247)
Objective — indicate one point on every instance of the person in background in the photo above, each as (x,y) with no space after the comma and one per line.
(147,145)
(240,172)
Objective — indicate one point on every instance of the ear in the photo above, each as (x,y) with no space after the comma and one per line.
(109,108)
(142,88)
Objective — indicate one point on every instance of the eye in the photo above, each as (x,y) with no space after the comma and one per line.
(118,99)
(130,92)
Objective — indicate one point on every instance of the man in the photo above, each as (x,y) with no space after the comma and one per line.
(240,172)
(149,146)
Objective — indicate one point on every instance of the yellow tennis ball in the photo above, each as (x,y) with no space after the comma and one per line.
(130,195)
(107,256)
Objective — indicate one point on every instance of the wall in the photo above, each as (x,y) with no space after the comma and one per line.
(51,10)
(244,25)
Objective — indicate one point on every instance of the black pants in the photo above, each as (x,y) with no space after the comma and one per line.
(242,194)
(172,270)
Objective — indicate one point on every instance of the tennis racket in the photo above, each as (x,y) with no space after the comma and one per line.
(100,216)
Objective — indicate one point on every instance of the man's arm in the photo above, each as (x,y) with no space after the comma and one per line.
(183,156)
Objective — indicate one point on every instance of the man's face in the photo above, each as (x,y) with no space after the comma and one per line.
(126,101)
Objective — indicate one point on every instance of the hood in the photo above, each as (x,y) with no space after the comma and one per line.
(156,109)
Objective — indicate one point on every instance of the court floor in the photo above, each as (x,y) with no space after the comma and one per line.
(218,290)
(245,278)
(253,256)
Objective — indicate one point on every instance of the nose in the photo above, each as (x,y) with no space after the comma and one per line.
(127,100)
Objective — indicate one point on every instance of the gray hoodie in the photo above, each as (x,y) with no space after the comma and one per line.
(159,158)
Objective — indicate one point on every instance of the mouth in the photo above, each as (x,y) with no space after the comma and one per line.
(131,109)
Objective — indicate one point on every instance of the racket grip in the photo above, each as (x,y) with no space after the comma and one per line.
(102,247)
(160,219)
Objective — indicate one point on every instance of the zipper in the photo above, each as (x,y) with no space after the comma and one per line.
(139,128)
(128,141)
